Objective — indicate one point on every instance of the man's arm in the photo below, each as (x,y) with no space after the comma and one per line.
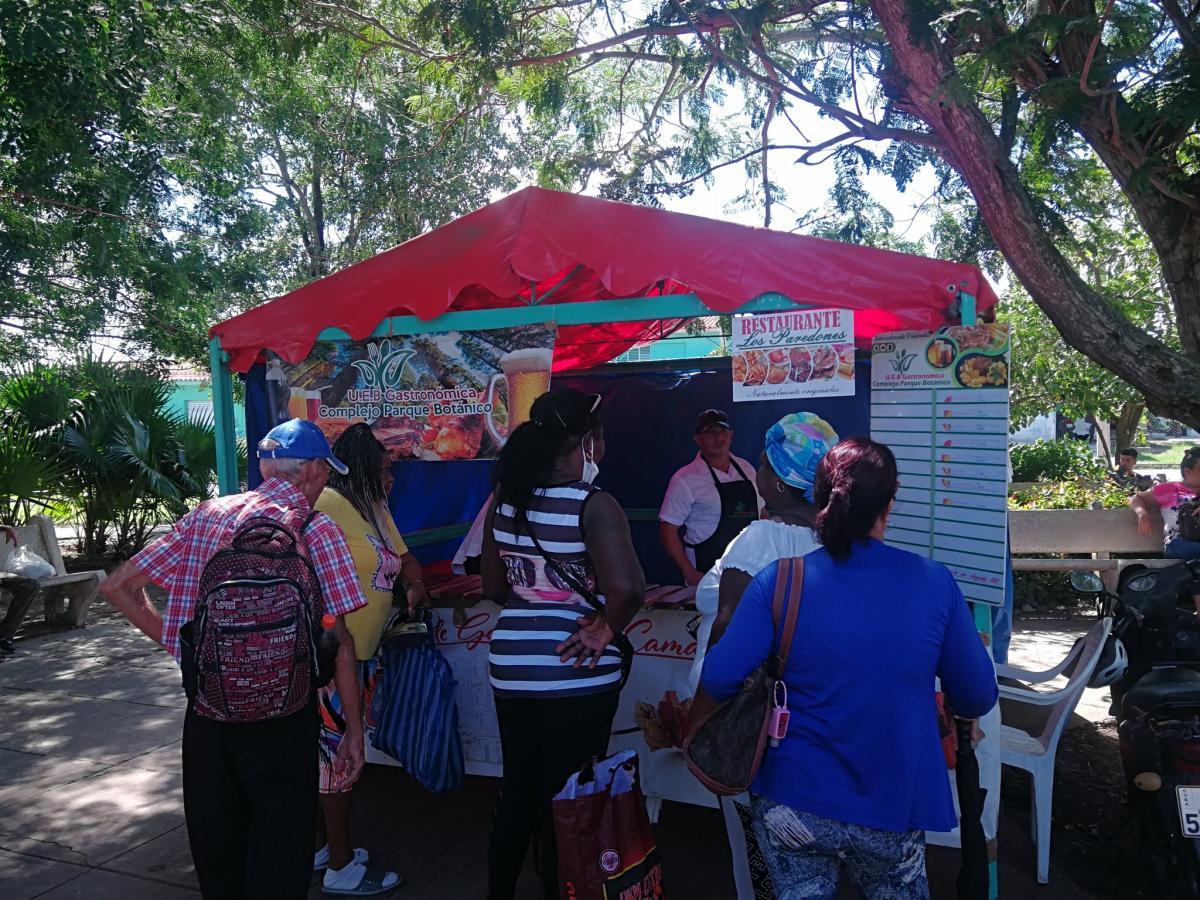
(126,590)
(676,509)
(10,534)
(672,543)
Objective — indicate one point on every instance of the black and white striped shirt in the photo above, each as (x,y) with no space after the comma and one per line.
(544,608)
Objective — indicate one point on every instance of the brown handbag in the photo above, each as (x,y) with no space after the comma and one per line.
(725,748)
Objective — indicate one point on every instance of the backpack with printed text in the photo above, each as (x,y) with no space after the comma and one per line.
(250,653)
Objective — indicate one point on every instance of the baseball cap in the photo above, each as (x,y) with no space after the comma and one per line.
(298,439)
(711,418)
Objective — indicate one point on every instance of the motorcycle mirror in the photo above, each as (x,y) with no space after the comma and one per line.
(1087,582)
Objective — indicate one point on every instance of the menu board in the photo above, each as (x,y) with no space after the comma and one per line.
(802,353)
(940,401)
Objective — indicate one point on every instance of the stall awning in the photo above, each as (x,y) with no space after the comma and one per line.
(539,245)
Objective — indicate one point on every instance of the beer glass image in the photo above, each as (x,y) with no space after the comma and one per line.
(526,374)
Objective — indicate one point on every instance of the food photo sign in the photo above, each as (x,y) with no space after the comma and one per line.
(805,353)
(940,401)
(453,395)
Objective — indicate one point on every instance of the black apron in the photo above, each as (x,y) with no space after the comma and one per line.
(739,507)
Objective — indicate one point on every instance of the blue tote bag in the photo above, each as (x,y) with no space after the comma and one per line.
(416,718)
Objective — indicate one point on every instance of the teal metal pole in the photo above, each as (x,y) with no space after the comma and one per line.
(222,388)
(983,614)
(593,312)
(966,305)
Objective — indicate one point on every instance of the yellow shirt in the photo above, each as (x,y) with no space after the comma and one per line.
(377,563)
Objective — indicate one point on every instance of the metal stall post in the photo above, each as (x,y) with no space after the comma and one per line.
(982,613)
(222,388)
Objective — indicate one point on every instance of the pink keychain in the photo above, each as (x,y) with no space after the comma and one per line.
(780,715)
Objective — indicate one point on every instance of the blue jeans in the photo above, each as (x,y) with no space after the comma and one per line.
(1178,548)
(806,853)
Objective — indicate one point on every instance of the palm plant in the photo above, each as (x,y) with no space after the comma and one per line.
(29,471)
(129,469)
(34,403)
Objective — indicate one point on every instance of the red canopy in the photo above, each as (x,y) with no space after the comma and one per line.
(591,249)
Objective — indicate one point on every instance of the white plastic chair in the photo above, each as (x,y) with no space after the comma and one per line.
(1035,753)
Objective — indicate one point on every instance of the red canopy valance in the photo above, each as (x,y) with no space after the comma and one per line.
(584,248)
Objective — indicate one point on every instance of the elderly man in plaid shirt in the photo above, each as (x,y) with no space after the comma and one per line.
(250,789)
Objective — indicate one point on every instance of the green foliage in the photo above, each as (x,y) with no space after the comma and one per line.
(90,440)
(1043,590)
(1077,494)
(29,471)
(1058,460)
(165,164)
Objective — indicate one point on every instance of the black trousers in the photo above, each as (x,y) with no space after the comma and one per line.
(21,591)
(250,800)
(543,741)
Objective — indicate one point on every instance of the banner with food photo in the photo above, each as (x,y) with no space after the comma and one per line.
(805,353)
(967,356)
(452,395)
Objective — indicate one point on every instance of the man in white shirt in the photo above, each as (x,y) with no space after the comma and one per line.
(708,501)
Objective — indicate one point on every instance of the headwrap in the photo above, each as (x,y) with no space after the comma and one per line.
(795,446)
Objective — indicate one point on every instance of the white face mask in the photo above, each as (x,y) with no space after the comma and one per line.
(590,467)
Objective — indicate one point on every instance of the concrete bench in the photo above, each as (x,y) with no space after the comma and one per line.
(1097,532)
(79,589)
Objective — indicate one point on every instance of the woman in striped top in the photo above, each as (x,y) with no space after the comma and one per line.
(557,555)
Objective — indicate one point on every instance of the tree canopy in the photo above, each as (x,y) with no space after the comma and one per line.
(1021,106)
(168,162)
(165,164)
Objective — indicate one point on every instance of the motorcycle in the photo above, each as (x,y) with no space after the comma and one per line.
(1152,664)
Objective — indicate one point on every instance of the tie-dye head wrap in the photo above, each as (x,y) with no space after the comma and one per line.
(795,445)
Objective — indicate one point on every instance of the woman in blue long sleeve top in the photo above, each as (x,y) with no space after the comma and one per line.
(860,775)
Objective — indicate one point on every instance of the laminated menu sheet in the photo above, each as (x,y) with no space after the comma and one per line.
(940,401)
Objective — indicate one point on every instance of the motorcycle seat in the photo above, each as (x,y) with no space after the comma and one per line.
(1164,690)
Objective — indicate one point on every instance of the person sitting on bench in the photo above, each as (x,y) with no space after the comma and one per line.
(1166,499)
(21,592)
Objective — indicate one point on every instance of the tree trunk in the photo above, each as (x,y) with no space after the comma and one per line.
(1127,424)
(1169,380)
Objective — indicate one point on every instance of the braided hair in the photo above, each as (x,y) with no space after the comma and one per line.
(558,421)
(362,486)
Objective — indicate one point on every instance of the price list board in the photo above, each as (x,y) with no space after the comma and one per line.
(940,401)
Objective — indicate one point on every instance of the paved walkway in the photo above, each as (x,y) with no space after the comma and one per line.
(91,806)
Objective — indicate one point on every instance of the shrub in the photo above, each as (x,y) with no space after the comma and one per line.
(1070,495)
(1059,460)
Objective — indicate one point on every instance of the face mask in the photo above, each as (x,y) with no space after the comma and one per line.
(590,467)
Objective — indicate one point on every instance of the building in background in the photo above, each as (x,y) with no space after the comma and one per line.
(707,338)
(191,397)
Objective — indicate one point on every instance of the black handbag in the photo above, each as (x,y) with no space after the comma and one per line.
(1187,523)
(725,748)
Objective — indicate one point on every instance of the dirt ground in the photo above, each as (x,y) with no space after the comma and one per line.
(1092,839)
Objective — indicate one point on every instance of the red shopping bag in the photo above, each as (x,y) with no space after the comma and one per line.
(606,848)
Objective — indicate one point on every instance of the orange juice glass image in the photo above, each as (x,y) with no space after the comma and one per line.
(526,374)
(298,404)
(304,404)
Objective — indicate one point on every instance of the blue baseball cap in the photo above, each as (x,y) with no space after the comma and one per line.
(298,439)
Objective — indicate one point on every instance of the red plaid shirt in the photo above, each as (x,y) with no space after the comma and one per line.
(176,561)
